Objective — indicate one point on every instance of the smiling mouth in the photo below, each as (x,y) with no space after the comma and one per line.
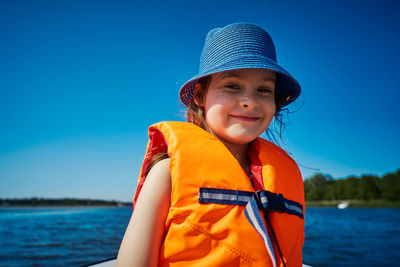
(246,118)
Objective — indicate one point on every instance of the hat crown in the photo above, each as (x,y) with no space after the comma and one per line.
(235,41)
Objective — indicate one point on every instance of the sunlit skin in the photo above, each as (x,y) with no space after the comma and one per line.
(239,106)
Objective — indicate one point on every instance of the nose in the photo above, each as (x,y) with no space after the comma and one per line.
(248,101)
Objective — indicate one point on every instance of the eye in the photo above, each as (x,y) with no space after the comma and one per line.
(265,90)
(232,86)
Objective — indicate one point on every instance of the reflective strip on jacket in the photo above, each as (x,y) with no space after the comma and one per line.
(215,234)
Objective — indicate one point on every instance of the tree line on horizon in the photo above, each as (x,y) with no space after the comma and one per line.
(367,187)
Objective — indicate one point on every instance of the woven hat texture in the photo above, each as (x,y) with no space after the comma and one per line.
(240,46)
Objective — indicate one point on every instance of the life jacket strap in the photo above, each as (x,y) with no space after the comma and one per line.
(254,201)
(266,200)
(253,216)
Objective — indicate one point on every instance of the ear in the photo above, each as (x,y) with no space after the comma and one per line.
(198,95)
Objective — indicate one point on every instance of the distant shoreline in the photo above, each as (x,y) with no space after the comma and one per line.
(355,203)
(75,202)
(62,202)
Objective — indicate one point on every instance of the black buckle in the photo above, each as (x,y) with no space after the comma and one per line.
(276,202)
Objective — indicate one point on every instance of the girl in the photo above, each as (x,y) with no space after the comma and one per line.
(211,192)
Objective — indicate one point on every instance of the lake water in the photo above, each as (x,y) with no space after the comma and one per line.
(78,236)
(352,237)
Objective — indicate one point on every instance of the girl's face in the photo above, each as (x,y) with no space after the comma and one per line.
(239,105)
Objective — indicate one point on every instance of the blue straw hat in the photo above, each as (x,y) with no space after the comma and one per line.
(241,46)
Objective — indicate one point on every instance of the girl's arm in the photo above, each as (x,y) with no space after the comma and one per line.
(141,243)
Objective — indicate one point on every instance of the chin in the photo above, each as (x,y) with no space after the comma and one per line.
(241,140)
(244,137)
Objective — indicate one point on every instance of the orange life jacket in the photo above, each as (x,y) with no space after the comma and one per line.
(210,219)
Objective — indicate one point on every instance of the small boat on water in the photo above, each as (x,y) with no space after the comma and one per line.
(343,205)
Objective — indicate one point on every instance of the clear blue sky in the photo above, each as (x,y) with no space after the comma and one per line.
(80,82)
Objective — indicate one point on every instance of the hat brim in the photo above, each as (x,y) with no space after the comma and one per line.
(287,87)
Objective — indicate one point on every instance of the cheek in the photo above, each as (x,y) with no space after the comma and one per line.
(215,104)
(213,113)
(269,111)
(270,107)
